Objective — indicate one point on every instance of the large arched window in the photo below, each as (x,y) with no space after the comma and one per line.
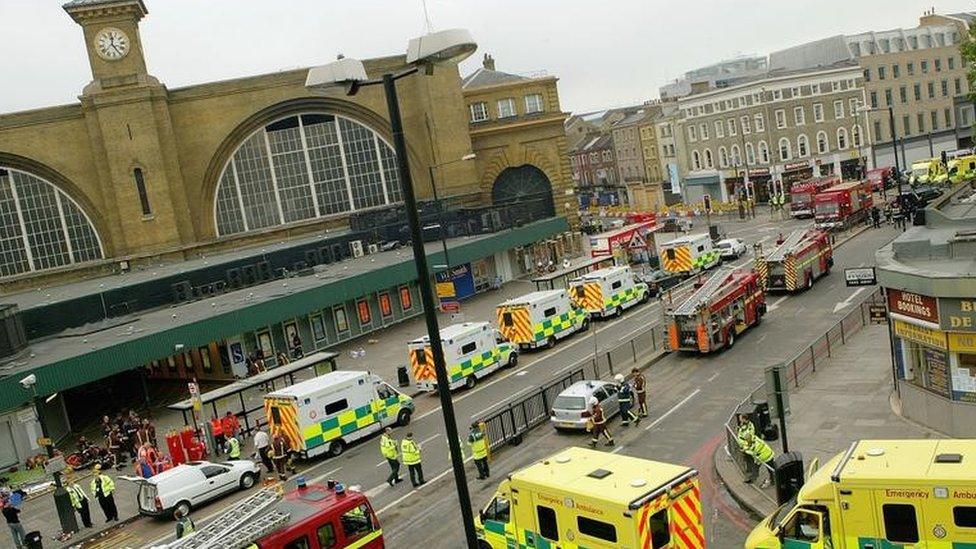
(750,154)
(304,167)
(802,146)
(841,138)
(723,157)
(709,163)
(822,145)
(763,152)
(785,151)
(696,163)
(41,227)
(736,155)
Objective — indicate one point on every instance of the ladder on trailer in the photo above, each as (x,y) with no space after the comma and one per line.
(787,246)
(702,294)
(246,522)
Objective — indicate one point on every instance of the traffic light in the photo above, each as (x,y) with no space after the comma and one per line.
(708,203)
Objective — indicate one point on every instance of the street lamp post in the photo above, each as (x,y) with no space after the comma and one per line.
(449,46)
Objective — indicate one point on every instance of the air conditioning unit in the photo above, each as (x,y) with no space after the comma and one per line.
(356,247)
(373,248)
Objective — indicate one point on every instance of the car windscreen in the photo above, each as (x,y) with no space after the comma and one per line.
(566,402)
(724,245)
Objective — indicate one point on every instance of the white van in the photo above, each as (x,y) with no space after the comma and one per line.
(540,318)
(192,484)
(326,413)
(471,351)
(607,292)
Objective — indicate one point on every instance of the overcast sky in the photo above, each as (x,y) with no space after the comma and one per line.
(606,53)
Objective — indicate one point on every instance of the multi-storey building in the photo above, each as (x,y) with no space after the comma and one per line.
(917,73)
(760,136)
(719,75)
(650,197)
(595,171)
(671,156)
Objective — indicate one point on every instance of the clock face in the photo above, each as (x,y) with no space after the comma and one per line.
(111,44)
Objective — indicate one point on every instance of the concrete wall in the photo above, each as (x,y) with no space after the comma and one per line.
(956,419)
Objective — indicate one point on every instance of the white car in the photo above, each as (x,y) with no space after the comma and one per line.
(571,409)
(192,484)
(731,248)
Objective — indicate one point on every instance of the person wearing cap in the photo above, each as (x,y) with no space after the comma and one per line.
(184,524)
(388,447)
(79,499)
(281,451)
(626,398)
(103,487)
(599,423)
(410,451)
(479,449)
(640,390)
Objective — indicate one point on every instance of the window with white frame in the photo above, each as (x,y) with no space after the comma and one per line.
(736,155)
(799,118)
(703,131)
(838,109)
(696,162)
(815,89)
(852,105)
(750,154)
(506,108)
(818,115)
(780,115)
(479,111)
(802,146)
(856,135)
(777,95)
(709,162)
(719,130)
(746,126)
(822,145)
(841,138)
(533,103)
(692,133)
(760,123)
(723,157)
(731,126)
(763,152)
(785,150)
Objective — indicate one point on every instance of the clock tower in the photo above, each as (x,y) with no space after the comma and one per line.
(111,29)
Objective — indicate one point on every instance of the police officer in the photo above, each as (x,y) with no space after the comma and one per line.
(103,487)
(640,389)
(745,432)
(233,447)
(763,454)
(184,524)
(626,398)
(79,499)
(599,423)
(388,447)
(479,449)
(410,451)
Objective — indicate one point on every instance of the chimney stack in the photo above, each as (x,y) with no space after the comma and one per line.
(488,62)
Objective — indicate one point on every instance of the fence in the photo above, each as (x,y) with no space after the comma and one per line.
(798,370)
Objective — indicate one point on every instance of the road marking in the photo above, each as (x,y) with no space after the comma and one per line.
(617,449)
(493,406)
(673,409)
(430,438)
(776,303)
(713,376)
(397,501)
(846,303)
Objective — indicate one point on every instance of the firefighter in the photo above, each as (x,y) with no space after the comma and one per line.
(410,451)
(626,398)
(599,423)
(479,449)
(640,389)
(388,447)
(280,452)
(763,454)
(184,524)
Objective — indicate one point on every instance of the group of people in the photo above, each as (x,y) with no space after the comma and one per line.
(126,436)
(755,446)
(411,453)
(631,395)
(275,452)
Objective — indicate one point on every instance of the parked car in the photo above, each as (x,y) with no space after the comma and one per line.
(731,248)
(657,281)
(571,409)
(192,484)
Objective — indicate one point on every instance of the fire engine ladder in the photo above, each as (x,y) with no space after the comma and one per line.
(246,522)
(702,294)
(788,245)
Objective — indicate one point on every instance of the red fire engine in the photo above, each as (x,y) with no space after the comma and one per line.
(843,205)
(720,308)
(802,193)
(804,256)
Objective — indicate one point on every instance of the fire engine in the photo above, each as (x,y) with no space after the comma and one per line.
(843,205)
(719,309)
(802,193)
(803,257)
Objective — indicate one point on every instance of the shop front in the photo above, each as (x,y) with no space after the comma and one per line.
(958,318)
(795,172)
(760,185)
(697,186)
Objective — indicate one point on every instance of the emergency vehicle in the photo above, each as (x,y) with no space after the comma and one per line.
(879,177)
(586,498)
(471,351)
(326,413)
(802,193)
(803,257)
(689,254)
(608,291)
(843,205)
(962,169)
(882,493)
(719,309)
(540,318)
(927,171)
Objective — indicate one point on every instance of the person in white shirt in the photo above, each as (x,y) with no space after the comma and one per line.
(262,444)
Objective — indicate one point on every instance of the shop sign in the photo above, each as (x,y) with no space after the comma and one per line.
(936,371)
(796,166)
(959,314)
(962,342)
(920,334)
(878,314)
(860,276)
(912,305)
(759,171)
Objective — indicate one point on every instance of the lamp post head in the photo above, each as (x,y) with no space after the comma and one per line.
(442,47)
(344,71)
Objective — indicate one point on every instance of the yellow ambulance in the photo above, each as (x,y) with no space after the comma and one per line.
(882,494)
(582,498)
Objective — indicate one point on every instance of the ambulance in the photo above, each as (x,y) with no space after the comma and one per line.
(327,413)
(689,254)
(540,318)
(585,498)
(608,291)
(881,494)
(472,351)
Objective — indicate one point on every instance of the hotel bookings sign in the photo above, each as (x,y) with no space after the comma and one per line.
(917,306)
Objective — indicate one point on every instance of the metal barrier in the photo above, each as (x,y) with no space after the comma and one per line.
(798,370)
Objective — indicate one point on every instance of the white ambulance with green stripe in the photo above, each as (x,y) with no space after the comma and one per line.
(472,350)
(325,414)
(539,319)
(608,292)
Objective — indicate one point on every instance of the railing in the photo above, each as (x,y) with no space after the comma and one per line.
(798,370)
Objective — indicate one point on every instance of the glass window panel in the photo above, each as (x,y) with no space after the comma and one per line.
(81,234)
(254,178)
(229,217)
(391,173)
(326,160)
(364,176)
(13,256)
(42,219)
(291,173)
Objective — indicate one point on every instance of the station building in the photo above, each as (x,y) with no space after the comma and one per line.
(929,276)
(151,235)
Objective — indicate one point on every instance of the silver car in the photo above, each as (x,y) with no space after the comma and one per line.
(571,409)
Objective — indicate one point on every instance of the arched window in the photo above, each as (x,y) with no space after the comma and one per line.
(841,138)
(823,145)
(723,157)
(696,163)
(763,152)
(802,146)
(785,151)
(750,154)
(304,167)
(856,136)
(736,155)
(41,227)
(709,163)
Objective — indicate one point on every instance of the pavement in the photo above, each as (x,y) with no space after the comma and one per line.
(850,397)
(690,399)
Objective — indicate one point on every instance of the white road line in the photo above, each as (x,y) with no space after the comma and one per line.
(775,304)
(617,449)
(324,475)
(414,491)
(672,410)
(430,438)
(713,376)
(493,406)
